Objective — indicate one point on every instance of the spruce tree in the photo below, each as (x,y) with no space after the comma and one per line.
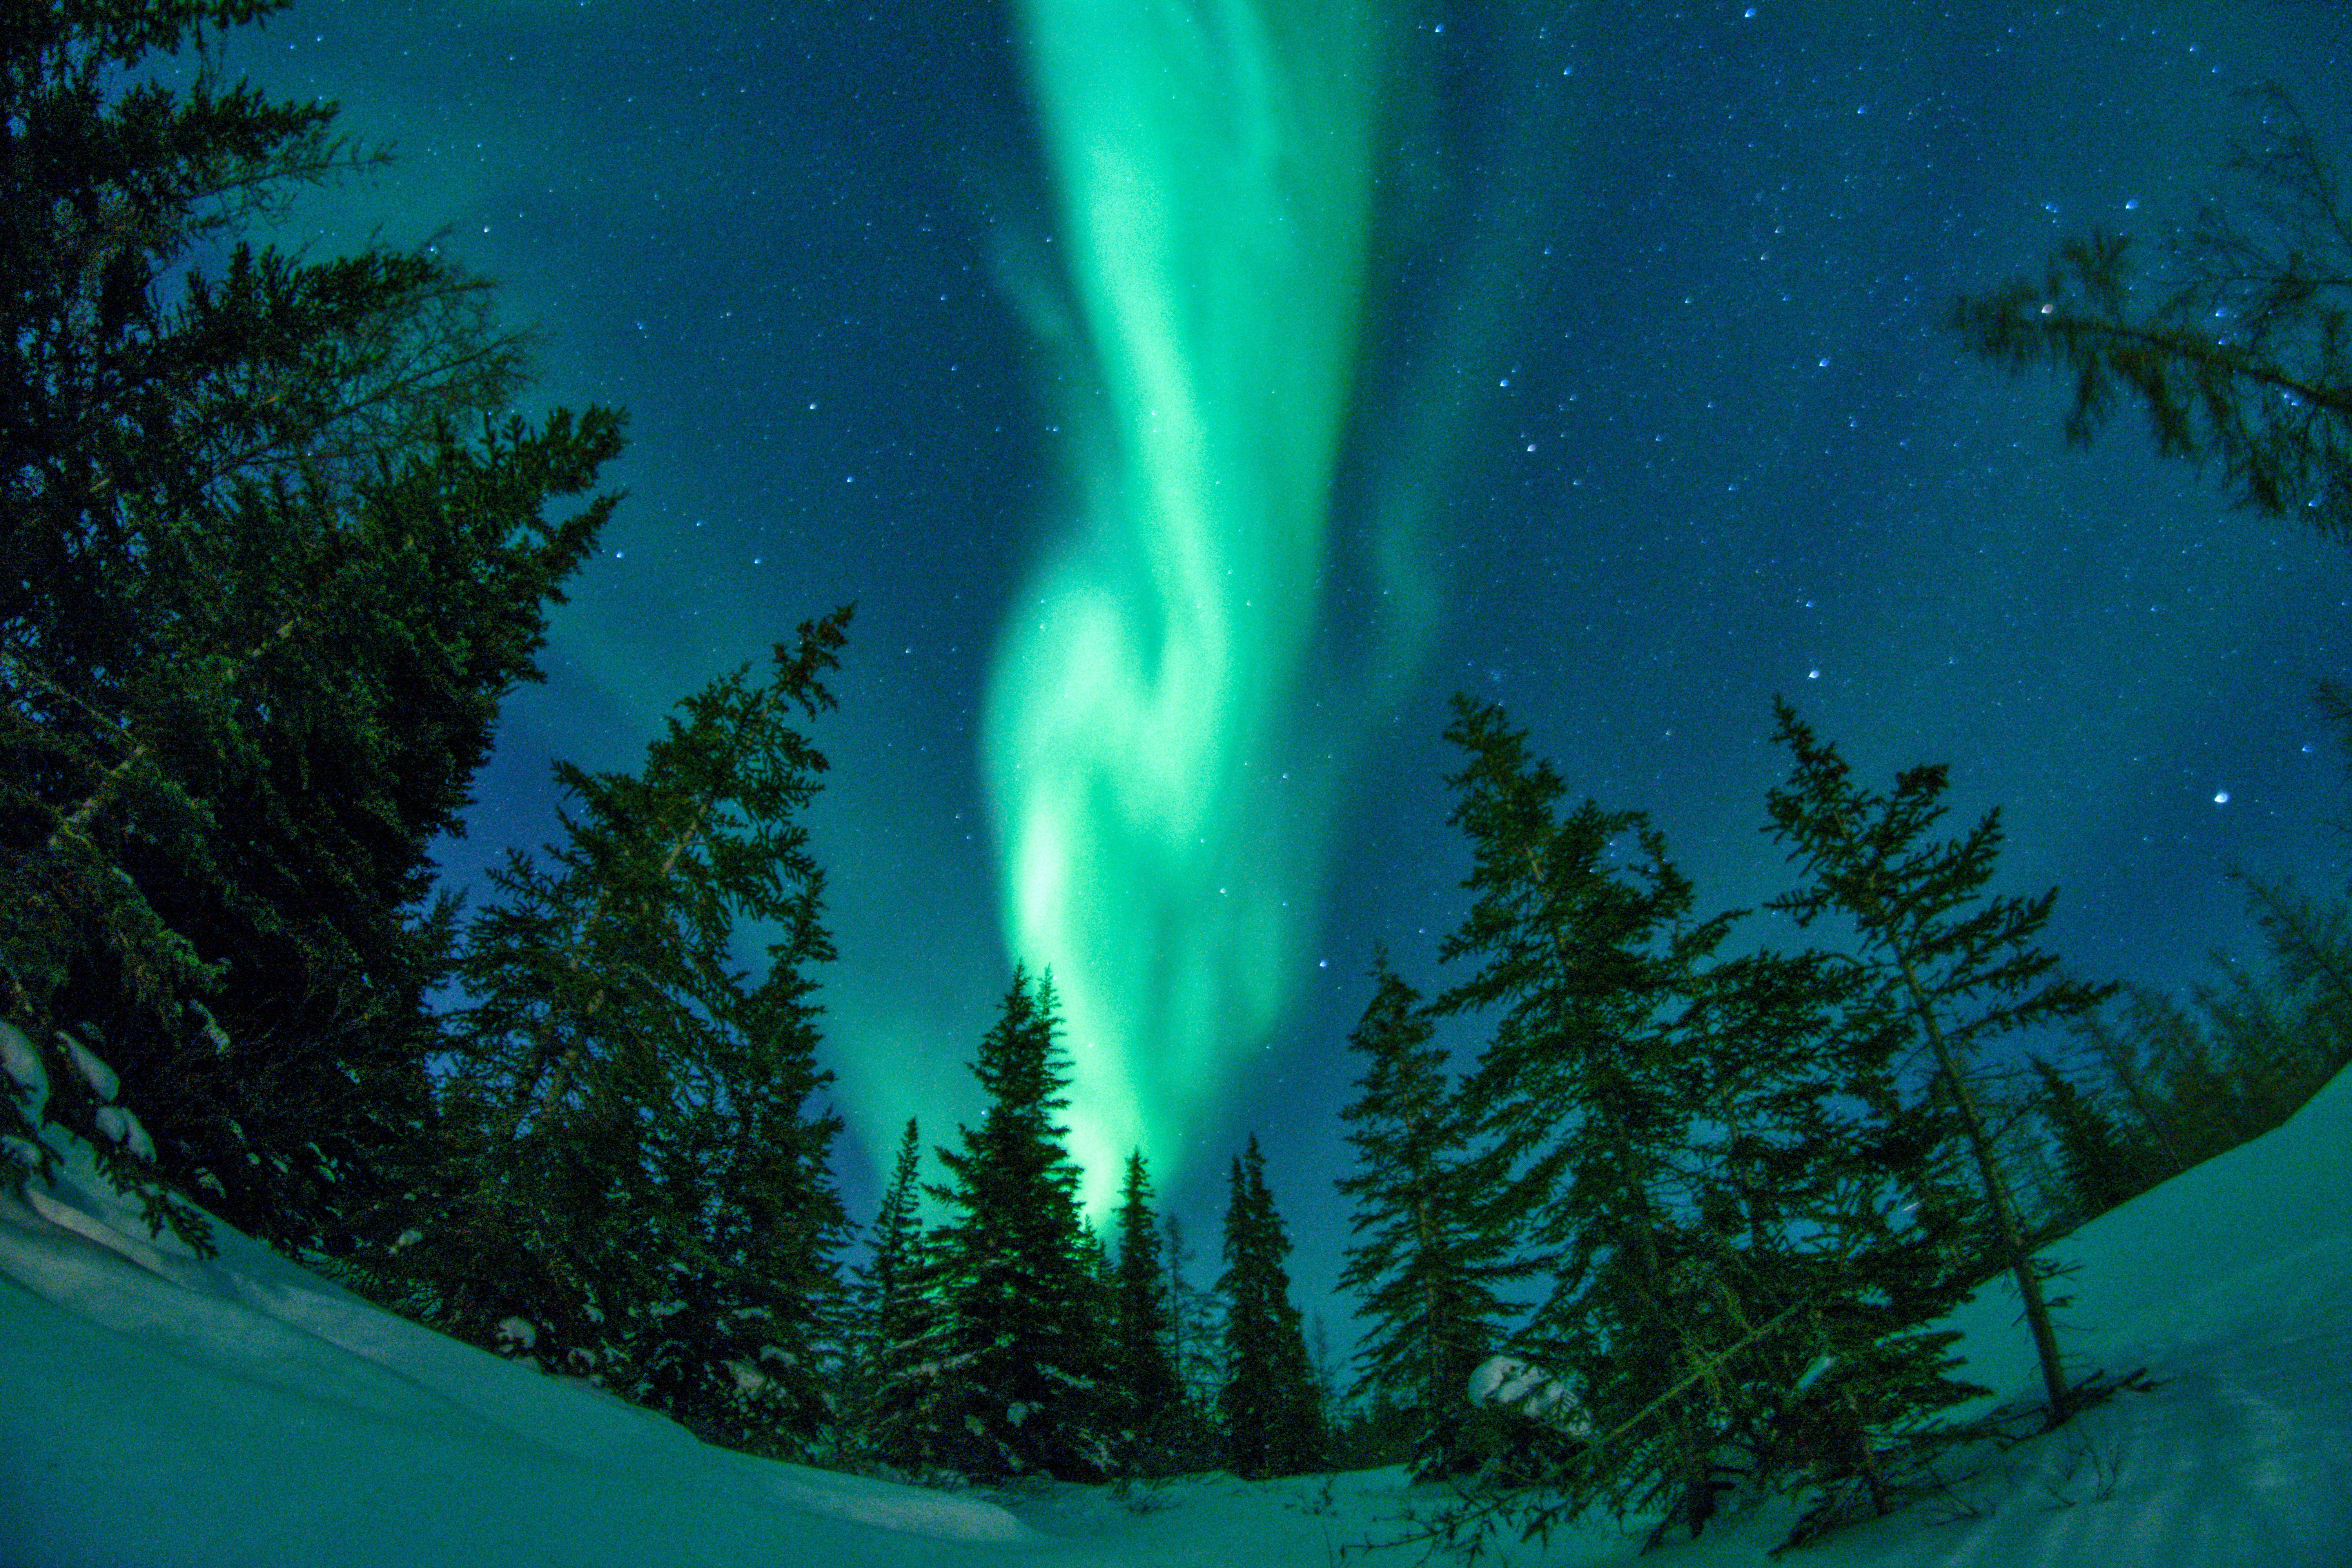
(1952,966)
(2237,344)
(2104,1165)
(1194,1353)
(1584,1101)
(634,1165)
(1272,1421)
(1819,1191)
(898,1325)
(741,1349)
(1025,1351)
(258,604)
(1424,1268)
(1146,1402)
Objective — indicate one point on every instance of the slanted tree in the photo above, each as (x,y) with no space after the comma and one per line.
(1956,965)
(1272,1421)
(1423,1269)
(1025,1351)
(634,1161)
(1583,1102)
(1145,1402)
(258,610)
(2235,344)
(1820,1191)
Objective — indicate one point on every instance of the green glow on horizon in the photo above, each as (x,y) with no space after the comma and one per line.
(1160,825)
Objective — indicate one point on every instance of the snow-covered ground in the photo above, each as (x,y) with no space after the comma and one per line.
(157,1410)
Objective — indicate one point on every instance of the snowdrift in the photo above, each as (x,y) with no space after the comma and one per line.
(158,1410)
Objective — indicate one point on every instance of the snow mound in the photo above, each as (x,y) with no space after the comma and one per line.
(159,1408)
(168,1411)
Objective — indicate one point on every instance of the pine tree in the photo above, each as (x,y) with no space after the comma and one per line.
(1819,1193)
(257,609)
(2103,1165)
(1272,1424)
(897,1326)
(638,1189)
(1583,1101)
(2237,347)
(1189,1441)
(1025,1353)
(880,1289)
(1955,967)
(1423,1269)
(739,1351)
(1145,1402)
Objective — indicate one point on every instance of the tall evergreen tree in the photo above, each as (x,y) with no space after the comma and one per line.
(1026,1349)
(2102,1163)
(636,1166)
(1424,1267)
(1145,1400)
(1819,1191)
(1273,1424)
(1584,1100)
(896,1322)
(257,609)
(742,1347)
(1956,967)
(1195,1353)
(2238,346)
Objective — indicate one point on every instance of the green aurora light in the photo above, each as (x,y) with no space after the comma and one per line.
(1162,835)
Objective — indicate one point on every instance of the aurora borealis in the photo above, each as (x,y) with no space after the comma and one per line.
(1214,166)
(1193,395)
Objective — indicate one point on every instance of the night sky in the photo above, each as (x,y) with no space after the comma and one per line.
(1192,400)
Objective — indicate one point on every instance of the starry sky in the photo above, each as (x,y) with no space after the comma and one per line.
(1193,396)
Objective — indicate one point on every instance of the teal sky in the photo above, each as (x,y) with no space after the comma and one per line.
(1192,403)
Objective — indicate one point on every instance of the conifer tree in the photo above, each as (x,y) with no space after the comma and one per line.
(1026,1351)
(249,578)
(2103,1163)
(1819,1192)
(634,1162)
(1583,1101)
(1271,1423)
(1194,1353)
(1423,1266)
(1955,967)
(1146,1402)
(882,1287)
(896,1338)
(2238,346)
(738,1350)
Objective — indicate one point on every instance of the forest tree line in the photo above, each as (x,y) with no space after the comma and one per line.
(272,558)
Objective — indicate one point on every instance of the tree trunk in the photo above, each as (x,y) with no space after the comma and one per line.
(2012,1242)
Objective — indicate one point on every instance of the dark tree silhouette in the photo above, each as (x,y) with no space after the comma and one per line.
(1025,1348)
(1956,965)
(1423,1266)
(637,1188)
(2234,343)
(1272,1419)
(1145,1404)
(259,606)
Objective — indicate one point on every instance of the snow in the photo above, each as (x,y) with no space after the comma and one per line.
(162,1410)
(1508,1380)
